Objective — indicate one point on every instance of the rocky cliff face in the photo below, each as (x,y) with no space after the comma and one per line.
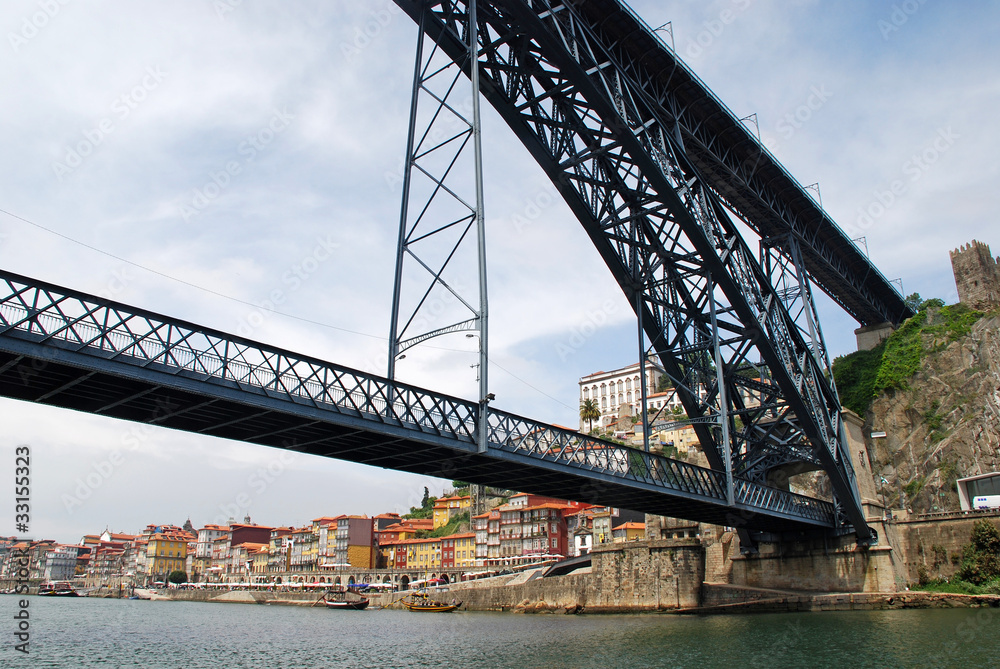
(945,425)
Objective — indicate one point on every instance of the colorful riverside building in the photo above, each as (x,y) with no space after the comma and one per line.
(458,551)
(355,542)
(279,550)
(630,531)
(446,508)
(167,552)
(423,554)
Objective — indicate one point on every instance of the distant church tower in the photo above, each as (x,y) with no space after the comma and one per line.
(977,275)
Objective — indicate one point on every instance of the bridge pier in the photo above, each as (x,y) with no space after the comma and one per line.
(823,564)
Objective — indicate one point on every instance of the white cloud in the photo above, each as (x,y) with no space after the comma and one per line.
(343,70)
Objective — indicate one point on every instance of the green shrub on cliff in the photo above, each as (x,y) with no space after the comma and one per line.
(981,556)
(855,375)
(863,375)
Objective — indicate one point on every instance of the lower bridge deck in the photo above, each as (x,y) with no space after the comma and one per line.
(80,352)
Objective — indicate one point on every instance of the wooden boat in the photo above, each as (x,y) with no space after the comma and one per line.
(342,599)
(359,605)
(57,589)
(425,604)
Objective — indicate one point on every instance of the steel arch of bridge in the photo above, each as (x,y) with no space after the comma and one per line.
(70,349)
(657,191)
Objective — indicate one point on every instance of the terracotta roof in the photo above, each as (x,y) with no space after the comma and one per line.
(249,546)
(630,526)
(546,505)
(418,541)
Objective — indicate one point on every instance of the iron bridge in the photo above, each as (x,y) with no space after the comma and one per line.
(664,179)
(76,351)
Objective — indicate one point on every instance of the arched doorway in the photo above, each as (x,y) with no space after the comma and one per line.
(444,578)
(404,582)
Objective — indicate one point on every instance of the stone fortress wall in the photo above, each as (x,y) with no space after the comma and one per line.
(977,275)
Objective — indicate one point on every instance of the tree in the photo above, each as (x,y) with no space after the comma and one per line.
(178,576)
(664,384)
(589,411)
(427,496)
(458,485)
(981,556)
(917,303)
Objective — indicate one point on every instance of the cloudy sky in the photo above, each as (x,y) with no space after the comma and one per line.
(118,115)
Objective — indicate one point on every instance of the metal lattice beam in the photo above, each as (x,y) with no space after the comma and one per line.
(70,349)
(705,302)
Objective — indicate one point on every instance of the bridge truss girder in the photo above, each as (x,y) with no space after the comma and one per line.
(718,318)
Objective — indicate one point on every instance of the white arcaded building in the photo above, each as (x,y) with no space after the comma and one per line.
(619,392)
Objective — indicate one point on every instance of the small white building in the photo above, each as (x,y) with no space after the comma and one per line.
(979,492)
(60,563)
(619,392)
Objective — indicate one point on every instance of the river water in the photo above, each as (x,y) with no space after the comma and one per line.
(83,632)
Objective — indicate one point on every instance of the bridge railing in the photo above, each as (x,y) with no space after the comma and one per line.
(89,325)
(550,443)
(50,315)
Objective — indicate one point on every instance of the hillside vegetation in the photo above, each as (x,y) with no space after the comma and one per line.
(864,375)
(934,388)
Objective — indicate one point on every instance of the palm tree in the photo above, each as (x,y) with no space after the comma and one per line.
(589,411)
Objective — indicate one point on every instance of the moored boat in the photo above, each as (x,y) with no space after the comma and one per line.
(344,600)
(359,605)
(57,589)
(425,604)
